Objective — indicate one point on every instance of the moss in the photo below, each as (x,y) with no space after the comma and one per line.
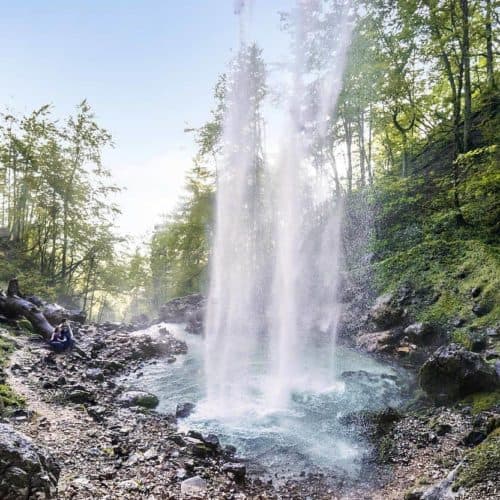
(481,463)
(483,401)
(8,398)
(462,336)
(25,325)
(443,273)
(6,347)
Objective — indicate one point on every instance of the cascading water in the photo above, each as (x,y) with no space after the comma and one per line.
(267,377)
(274,271)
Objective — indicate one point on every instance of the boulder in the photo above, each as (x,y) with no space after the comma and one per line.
(236,469)
(385,313)
(138,398)
(482,308)
(194,486)
(183,410)
(27,470)
(377,341)
(194,320)
(177,310)
(453,372)
(419,332)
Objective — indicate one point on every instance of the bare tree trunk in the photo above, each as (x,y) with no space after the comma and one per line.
(348,142)
(490,74)
(467,80)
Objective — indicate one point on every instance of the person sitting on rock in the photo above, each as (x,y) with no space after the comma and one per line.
(62,338)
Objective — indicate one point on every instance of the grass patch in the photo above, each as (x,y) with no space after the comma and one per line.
(482,401)
(481,463)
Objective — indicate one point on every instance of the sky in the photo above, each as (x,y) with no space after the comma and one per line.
(147,67)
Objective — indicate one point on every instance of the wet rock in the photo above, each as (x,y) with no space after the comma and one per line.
(377,341)
(151,454)
(413,495)
(212,441)
(194,486)
(442,429)
(475,292)
(80,396)
(492,331)
(112,366)
(458,322)
(481,308)
(453,372)
(194,320)
(385,313)
(474,437)
(27,469)
(236,469)
(138,398)
(95,374)
(229,450)
(478,342)
(97,412)
(419,332)
(129,485)
(183,410)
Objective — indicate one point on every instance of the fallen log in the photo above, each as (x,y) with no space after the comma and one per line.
(43,316)
(15,307)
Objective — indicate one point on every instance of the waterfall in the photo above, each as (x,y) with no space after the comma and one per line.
(272,305)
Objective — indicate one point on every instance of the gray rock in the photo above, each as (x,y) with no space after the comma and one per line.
(385,313)
(238,470)
(183,410)
(453,372)
(138,398)
(80,396)
(95,374)
(482,308)
(418,332)
(27,469)
(194,486)
(377,341)
(177,310)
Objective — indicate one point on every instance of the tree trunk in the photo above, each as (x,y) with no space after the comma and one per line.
(467,80)
(41,315)
(490,74)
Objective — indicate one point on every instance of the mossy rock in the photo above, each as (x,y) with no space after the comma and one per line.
(481,464)
(442,275)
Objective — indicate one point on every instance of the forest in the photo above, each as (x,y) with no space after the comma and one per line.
(319,315)
(415,125)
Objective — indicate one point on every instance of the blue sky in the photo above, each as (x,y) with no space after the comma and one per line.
(147,67)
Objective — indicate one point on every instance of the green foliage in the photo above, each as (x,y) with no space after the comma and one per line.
(55,206)
(180,248)
(7,396)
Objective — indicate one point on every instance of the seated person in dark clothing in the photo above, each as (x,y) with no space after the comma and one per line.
(62,338)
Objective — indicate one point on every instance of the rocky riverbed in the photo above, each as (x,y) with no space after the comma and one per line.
(83,435)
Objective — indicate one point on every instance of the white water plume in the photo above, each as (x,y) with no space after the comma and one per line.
(272,305)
